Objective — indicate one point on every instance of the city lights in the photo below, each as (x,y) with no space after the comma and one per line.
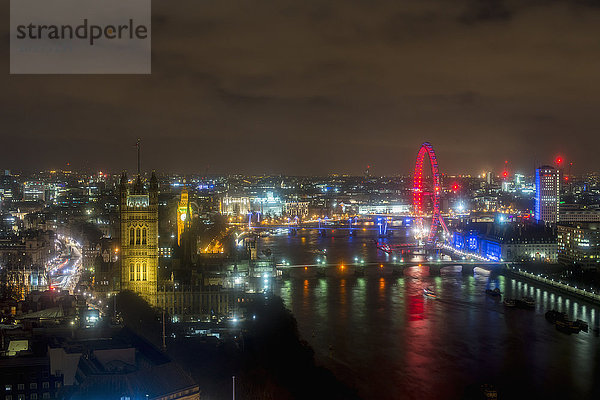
(302,200)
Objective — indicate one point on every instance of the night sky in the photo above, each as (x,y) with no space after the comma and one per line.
(318,87)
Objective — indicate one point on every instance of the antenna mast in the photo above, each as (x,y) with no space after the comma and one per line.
(138,154)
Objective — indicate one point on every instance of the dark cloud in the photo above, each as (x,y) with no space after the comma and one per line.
(316,87)
(485,11)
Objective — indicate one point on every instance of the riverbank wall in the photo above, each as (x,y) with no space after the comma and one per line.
(582,293)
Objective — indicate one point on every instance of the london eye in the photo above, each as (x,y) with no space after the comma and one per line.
(426,195)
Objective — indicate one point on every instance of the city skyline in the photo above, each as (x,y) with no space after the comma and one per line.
(317,88)
(503,170)
(292,200)
(193,267)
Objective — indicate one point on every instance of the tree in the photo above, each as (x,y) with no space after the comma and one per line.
(138,315)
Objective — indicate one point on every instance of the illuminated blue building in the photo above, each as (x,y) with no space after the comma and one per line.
(467,241)
(547,194)
(491,249)
(507,241)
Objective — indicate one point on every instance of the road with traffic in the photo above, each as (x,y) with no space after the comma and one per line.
(65,270)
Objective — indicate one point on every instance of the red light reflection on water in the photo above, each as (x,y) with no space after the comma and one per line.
(416,307)
(419,359)
(416,303)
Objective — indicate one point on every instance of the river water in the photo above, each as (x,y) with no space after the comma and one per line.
(379,334)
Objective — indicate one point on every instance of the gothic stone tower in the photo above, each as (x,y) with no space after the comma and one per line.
(139,237)
(183,216)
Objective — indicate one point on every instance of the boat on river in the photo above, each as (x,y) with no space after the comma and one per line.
(526,302)
(322,252)
(509,302)
(384,247)
(553,316)
(563,324)
(583,326)
(567,327)
(494,293)
(428,292)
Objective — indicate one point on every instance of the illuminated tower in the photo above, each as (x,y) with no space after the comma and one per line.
(183,214)
(139,237)
(547,194)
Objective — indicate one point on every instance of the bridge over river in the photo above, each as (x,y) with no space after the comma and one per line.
(306,271)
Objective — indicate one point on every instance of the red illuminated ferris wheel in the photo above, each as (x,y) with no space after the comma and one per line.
(421,195)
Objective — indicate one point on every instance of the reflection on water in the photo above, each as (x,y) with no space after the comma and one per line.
(380,334)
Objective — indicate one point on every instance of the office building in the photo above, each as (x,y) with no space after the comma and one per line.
(579,244)
(547,194)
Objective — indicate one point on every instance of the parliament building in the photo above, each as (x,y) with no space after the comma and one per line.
(139,237)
